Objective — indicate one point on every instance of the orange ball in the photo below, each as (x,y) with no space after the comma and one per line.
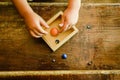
(54,32)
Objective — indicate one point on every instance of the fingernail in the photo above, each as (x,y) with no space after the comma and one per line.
(46,32)
(47,26)
(38,37)
(61,25)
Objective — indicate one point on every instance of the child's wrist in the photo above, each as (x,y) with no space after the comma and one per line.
(73,9)
(76,8)
(74,5)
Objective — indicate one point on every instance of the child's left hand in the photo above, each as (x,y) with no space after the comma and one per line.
(69,19)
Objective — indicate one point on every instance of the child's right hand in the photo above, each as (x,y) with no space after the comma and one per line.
(35,25)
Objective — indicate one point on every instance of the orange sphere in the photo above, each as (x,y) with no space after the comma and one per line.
(54,32)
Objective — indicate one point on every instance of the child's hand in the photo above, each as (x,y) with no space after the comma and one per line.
(35,25)
(69,18)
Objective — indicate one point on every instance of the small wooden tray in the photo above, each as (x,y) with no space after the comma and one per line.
(55,42)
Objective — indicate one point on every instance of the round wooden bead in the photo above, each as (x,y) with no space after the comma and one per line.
(54,32)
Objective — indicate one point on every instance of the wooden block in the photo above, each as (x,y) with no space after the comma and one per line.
(62,37)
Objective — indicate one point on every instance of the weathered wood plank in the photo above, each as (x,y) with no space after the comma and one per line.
(65,77)
(95,48)
(83,1)
(62,75)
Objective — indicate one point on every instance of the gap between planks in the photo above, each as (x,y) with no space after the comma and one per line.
(57,72)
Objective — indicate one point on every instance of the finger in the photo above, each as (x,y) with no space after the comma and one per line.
(43,23)
(34,35)
(70,26)
(37,33)
(41,30)
(62,22)
(65,26)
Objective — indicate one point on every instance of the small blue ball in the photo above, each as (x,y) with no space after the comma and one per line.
(64,56)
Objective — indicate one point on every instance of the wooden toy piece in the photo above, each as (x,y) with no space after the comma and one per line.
(54,32)
(54,42)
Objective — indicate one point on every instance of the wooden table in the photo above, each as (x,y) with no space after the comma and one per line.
(95,47)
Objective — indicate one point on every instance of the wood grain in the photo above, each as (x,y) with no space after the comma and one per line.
(91,49)
(95,49)
(83,1)
(62,75)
